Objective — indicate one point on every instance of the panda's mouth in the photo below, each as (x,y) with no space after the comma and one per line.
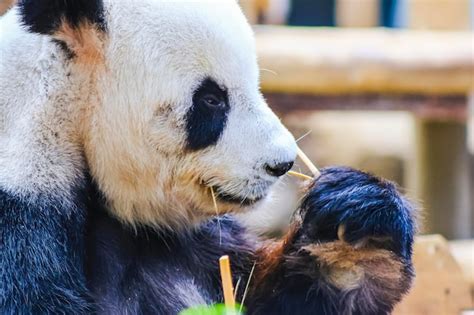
(223,196)
(244,193)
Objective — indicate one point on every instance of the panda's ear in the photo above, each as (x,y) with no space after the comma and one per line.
(79,25)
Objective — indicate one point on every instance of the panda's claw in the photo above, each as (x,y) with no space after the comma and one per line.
(341,230)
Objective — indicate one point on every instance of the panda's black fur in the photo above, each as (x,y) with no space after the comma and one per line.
(147,272)
(45,16)
(42,253)
(61,252)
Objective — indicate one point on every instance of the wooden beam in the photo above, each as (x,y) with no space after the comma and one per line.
(338,61)
(431,107)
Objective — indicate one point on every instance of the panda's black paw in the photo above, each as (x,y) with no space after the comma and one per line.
(360,209)
(355,241)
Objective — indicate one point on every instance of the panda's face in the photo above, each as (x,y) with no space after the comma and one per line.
(180,114)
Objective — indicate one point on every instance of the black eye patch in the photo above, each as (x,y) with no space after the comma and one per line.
(206,120)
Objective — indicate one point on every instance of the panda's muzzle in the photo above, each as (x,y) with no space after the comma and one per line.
(229,198)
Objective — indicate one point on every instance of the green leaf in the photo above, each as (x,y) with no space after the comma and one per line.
(218,309)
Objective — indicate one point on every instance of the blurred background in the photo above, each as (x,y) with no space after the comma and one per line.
(381,85)
(386,86)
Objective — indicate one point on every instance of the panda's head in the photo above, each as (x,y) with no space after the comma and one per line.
(174,108)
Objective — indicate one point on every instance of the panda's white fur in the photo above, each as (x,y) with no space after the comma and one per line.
(39,107)
(123,115)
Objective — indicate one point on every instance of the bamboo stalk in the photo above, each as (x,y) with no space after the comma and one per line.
(227,286)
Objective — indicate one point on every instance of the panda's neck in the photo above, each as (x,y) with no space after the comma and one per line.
(143,196)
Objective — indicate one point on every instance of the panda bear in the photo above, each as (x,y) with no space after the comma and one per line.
(119,121)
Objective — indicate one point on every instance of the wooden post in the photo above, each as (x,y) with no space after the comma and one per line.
(250,10)
(356,13)
(443,177)
(470,134)
(254,9)
(439,14)
(277,11)
(471,152)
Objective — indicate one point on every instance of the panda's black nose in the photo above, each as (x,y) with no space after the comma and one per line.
(279,169)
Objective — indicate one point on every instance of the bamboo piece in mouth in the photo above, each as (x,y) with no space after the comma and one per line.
(214,200)
(308,163)
(227,286)
(300,175)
